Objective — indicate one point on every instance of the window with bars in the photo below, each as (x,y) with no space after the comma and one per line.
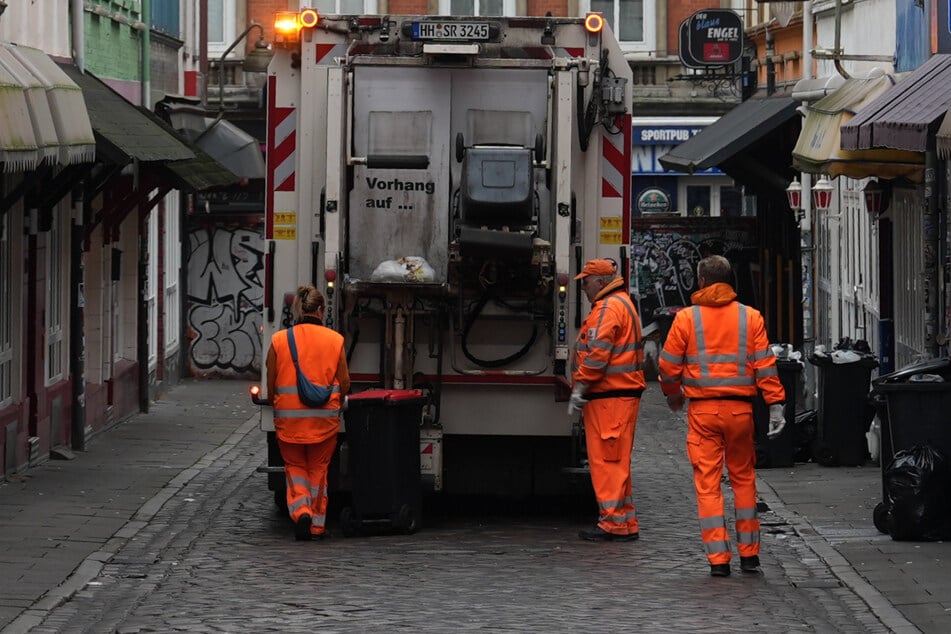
(172,269)
(151,288)
(56,254)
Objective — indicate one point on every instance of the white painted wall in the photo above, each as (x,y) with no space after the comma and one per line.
(42,24)
(868,28)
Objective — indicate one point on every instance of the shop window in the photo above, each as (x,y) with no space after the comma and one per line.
(477,7)
(57,252)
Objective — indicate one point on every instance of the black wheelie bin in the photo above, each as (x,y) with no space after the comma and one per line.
(914,409)
(382,435)
(844,409)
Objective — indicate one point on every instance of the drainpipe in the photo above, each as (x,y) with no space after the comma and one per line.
(807,249)
(146,54)
(203,49)
(78,30)
(838,41)
(142,312)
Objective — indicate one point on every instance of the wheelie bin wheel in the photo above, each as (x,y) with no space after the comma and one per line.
(824,455)
(348,524)
(406,520)
(882,517)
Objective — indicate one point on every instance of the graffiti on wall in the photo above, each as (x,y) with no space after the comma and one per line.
(225,297)
(665,253)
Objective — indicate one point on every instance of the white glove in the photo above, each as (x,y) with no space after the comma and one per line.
(577,400)
(344,403)
(776,420)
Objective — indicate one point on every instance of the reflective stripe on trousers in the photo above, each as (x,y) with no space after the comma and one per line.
(718,430)
(609,426)
(305,469)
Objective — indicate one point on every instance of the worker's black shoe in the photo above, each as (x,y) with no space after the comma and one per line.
(302,528)
(719,570)
(750,564)
(598,534)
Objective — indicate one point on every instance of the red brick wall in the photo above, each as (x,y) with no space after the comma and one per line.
(541,7)
(409,7)
(262,12)
(677,12)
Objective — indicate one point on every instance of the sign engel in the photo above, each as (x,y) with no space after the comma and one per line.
(715,37)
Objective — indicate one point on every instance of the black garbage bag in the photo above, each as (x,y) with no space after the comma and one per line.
(807,428)
(916,484)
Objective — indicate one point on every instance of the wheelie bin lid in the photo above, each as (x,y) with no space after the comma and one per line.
(386,395)
(940,366)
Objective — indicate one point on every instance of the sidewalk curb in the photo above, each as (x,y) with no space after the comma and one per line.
(90,567)
(881,607)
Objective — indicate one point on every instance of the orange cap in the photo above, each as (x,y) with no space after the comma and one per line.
(597,267)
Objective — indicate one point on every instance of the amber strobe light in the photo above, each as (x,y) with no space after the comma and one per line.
(594,22)
(309,18)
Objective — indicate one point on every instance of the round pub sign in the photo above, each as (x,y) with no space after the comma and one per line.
(714,37)
(653,201)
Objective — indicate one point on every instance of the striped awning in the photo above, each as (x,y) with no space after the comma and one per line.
(42,110)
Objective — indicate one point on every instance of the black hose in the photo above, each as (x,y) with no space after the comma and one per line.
(495,363)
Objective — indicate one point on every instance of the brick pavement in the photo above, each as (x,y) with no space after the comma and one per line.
(208,552)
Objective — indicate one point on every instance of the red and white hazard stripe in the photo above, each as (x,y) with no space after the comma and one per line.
(281,151)
(616,166)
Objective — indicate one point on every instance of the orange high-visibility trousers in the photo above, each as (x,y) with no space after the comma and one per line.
(305,468)
(718,429)
(609,436)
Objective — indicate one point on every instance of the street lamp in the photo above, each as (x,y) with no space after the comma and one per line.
(822,194)
(877,197)
(794,195)
(255,62)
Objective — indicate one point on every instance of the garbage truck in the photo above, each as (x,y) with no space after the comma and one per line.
(441,180)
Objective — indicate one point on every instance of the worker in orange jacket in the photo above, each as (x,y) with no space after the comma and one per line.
(307,434)
(608,380)
(717,355)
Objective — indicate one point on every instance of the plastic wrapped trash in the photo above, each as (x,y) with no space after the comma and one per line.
(874,438)
(916,485)
(410,268)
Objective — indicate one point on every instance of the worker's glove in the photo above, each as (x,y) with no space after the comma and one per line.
(344,403)
(776,420)
(577,400)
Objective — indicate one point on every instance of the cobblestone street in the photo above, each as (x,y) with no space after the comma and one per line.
(219,557)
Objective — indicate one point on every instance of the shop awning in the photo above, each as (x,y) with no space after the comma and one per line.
(943,139)
(123,133)
(42,114)
(818,150)
(731,134)
(907,116)
(126,133)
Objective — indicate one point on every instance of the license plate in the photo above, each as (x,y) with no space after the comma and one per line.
(450,30)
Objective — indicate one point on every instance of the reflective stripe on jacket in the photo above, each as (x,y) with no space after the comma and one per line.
(718,348)
(609,352)
(318,353)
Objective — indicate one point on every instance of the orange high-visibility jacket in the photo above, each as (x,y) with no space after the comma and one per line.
(318,353)
(718,348)
(609,353)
